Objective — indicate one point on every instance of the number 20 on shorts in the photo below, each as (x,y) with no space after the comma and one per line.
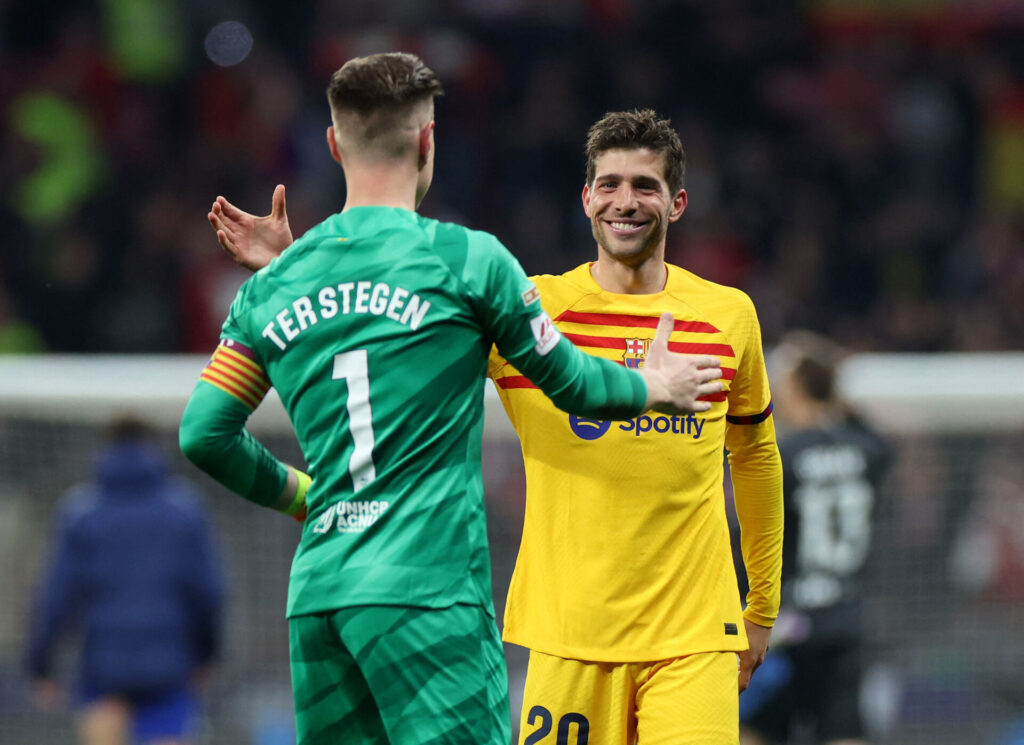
(542,719)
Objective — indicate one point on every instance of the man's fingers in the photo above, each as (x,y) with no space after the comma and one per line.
(746,671)
(709,374)
(710,388)
(225,242)
(660,344)
(230,211)
(277,205)
(705,360)
(222,228)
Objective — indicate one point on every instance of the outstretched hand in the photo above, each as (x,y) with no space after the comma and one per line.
(676,383)
(252,241)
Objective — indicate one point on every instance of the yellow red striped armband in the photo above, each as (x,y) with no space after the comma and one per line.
(233,368)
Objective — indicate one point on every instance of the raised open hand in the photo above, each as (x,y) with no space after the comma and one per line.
(676,382)
(252,241)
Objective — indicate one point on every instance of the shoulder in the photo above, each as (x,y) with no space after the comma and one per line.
(698,287)
(330,229)
(875,447)
(729,310)
(453,235)
(848,435)
(795,441)
(566,287)
(182,498)
(475,258)
(289,264)
(573,278)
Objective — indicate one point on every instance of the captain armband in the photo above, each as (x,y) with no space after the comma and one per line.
(233,369)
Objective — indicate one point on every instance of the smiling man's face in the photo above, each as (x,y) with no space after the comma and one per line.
(629,204)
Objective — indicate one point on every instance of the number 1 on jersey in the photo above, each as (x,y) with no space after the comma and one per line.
(351,367)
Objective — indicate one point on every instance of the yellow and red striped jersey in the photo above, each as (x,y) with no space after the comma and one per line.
(626,552)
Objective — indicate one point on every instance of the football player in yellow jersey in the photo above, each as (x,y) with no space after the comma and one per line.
(624,589)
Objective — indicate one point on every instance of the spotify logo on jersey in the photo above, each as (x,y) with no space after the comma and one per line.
(643,426)
(588,429)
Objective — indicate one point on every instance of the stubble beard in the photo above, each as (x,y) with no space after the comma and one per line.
(630,254)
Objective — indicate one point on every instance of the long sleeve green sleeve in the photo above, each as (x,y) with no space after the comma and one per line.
(212,435)
(509,305)
(584,385)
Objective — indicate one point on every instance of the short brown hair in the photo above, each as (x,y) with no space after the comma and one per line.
(811,359)
(632,130)
(393,80)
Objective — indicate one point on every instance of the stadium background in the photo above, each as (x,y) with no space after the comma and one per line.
(857,167)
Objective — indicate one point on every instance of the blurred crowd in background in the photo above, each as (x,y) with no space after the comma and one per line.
(857,167)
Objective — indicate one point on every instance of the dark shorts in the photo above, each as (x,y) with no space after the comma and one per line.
(816,688)
(170,714)
(399,675)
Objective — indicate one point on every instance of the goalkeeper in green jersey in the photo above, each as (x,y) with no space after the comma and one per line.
(375,329)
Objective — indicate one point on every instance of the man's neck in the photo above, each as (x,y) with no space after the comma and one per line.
(380,186)
(646,278)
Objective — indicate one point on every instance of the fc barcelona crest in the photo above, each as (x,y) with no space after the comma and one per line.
(636,352)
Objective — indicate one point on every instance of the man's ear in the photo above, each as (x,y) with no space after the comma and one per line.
(426,142)
(333,145)
(679,202)
(586,199)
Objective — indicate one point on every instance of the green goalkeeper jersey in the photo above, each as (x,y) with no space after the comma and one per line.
(375,329)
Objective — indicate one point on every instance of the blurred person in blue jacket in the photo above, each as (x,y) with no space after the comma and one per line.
(134,568)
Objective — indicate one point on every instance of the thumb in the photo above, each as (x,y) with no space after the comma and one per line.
(277,206)
(659,347)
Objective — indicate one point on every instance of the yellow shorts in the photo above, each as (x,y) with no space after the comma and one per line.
(692,700)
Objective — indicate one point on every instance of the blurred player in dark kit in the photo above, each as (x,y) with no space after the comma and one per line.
(833,467)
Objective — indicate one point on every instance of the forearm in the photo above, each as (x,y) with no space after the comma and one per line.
(212,435)
(584,385)
(757,485)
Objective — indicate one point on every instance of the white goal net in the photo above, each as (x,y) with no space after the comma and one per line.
(946,578)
